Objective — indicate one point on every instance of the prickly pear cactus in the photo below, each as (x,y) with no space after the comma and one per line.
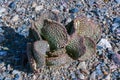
(90,49)
(85,27)
(56,53)
(58,61)
(55,34)
(60,45)
(38,23)
(75,47)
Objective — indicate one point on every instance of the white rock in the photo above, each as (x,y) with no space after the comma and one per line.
(2,10)
(15,18)
(34,4)
(93,76)
(81,65)
(105,44)
(81,76)
(38,8)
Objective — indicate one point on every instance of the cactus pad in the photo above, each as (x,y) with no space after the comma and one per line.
(58,61)
(86,27)
(90,49)
(39,52)
(57,53)
(75,47)
(38,23)
(55,34)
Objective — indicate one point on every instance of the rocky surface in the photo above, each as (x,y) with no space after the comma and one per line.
(15,21)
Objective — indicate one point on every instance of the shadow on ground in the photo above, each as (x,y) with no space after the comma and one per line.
(15,48)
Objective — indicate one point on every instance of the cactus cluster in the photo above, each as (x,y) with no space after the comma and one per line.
(56,44)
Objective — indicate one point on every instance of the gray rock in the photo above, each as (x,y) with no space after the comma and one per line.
(2,10)
(3,53)
(118,1)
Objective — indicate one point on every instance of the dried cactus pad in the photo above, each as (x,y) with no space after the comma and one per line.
(57,53)
(88,28)
(58,61)
(38,24)
(90,49)
(35,30)
(75,47)
(55,34)
(30,57)
(39,52)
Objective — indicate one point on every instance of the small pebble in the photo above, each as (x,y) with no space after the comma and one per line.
(74,10)
(38,8)
(15,18)
(105,44)
(12,5)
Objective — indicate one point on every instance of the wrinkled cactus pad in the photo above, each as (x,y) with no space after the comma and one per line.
(75,47)
(90,49)
(85,27)
(39,52)
(58,61)
(38,23)
(55,34)
(56,53)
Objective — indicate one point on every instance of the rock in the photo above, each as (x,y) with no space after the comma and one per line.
(15,18)
(38,8)
(93,76)
(74,10)
(3,53)
(34,4)
(2,38)
(114,26)
(116,58)
(82,65)
(2,10)
(105,44)
(118,1)
(81,77)
(12,5)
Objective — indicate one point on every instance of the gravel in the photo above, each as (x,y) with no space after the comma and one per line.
(15,21)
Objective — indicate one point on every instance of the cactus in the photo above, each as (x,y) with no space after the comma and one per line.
(75,41)
(55,34)
(58,61)
(75,47)
(84,27)
(38,23)
(90,49)
(56,53)
(39,52)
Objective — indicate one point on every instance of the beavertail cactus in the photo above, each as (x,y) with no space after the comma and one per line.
(37,25)
(90,49)
(85,27)
(55,34)
(59,59)
(75,47)
(59,44)
(38,54)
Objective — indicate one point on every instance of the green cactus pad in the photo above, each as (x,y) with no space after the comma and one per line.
(75,47)
(38,23)
(90,49)
(87,27)
(39,52)
(55,34)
